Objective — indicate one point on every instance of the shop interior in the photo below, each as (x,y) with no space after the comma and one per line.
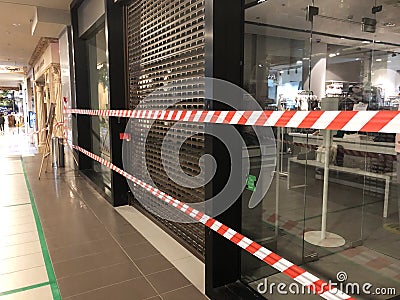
(342,212)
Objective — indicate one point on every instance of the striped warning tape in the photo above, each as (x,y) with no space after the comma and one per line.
(300,275)
(367,121)
(39,131)
(46,128)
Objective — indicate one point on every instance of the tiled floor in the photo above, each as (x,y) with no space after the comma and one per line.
(97,254)
(24,268)
(189,265)
(94,251)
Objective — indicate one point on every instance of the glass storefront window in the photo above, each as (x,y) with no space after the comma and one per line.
(334,203)
(99,97)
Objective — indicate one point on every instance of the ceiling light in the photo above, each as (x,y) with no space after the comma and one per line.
(342,38)
(332,55)
(357,58)
(389,24)
(281,72)
(338,53)
(377,41)
(389,61)
(366,42)
(299,62)
(379,59)
(16,24)
(261,1)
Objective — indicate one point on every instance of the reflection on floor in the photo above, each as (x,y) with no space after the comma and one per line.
(25,270)
(94,252)
(14,141)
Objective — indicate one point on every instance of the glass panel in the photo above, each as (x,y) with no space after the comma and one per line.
(338,197)
(275,69)
(98,76)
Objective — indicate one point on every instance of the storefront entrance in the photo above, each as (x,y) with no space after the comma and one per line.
(329,215)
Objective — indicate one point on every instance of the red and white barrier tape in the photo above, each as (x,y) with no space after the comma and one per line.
(367,121)
(46,128)
(300,275)
(39,131)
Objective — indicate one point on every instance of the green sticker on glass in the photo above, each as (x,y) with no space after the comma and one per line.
(251,183)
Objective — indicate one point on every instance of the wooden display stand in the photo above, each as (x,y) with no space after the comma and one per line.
(47,149)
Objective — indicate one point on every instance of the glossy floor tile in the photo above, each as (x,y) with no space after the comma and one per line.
(176,255)
(42,293)
(23,272)
(94,251)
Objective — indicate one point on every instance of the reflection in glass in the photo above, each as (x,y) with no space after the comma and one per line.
(99,97)
(342,183)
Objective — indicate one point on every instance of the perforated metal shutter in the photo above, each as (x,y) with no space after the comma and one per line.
(166,43)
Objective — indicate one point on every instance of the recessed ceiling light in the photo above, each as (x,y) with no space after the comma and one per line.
(299,62)
(338,53)
(389,61)
(332,55)
(366,42)
(379,59)
(377,41)
(342,38)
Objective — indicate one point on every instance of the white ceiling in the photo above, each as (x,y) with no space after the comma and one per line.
(339,17)
(17,43)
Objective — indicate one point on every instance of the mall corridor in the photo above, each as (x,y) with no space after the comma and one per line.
(200,149)
(60,239)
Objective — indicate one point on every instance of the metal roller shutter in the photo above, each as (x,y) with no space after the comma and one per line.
(165,41)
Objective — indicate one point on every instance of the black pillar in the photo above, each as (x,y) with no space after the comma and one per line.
(81,125)
(224,60)
(115,35)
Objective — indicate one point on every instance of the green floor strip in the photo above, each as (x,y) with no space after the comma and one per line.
(49,267)
(23,289)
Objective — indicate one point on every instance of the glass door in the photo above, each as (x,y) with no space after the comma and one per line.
(277,50)
(98,80)
(332,207)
